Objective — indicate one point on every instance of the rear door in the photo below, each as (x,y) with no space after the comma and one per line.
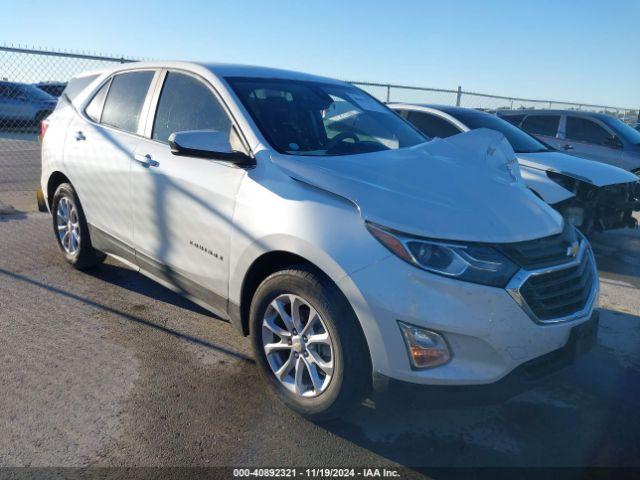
(545,127)
(588,138)
(99,149)
(183,206)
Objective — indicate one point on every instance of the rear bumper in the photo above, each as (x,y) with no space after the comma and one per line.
(42,203)
(526,376)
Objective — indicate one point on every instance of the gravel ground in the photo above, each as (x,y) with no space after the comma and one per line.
(110,369)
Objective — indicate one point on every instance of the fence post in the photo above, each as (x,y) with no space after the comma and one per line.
(388,93)
(458,96)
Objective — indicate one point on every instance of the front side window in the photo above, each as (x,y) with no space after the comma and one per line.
(629,133)
(542,124)
(125,99)
(431,125)
(585,130)
(187,104)
(520,141)
(514,119)
(314,118)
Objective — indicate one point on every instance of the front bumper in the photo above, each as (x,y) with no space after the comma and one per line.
(581,340)
(489,334)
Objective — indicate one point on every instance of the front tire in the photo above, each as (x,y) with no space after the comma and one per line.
(309,344)
(71,231)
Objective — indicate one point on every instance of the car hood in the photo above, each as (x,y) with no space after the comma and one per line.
(460,188)
(596,173)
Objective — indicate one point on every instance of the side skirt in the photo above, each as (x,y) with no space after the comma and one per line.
(162,274)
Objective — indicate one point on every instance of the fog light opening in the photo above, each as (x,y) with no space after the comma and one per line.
(426,348)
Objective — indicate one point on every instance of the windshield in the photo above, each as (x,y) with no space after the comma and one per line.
(520,141)
(314,118)
(627,132)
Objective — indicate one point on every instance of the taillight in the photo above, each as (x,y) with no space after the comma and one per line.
(44,125)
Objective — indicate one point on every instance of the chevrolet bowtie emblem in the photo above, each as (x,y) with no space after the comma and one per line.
(572,250)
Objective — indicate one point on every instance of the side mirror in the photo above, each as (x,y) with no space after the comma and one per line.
(206,144)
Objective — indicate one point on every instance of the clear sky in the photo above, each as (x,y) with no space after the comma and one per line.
(585,51)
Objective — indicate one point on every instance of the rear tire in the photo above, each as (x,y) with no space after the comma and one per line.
(330,350)
(71,231)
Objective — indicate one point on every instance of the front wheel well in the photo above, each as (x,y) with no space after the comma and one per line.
(261,268)
(55,180)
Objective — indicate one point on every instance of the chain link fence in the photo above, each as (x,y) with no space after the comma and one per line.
(30,82)
(406,94)
(32,79)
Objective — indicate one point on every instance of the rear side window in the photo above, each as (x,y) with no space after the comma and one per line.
(585,130)
(9,91)
(94,109)
(514,119)
(187,104)
(542,124)
(431,125)
(125,99)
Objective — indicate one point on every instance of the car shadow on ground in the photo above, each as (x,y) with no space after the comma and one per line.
(580,416)
(617,251)
(14,215)
(132,317)
(136,282)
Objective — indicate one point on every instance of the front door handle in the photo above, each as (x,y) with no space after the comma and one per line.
(80,136)
(567,146)
(146,160)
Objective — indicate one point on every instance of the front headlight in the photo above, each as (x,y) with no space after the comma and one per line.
(464,261)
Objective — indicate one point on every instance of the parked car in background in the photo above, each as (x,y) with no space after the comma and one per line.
(54,89)
(23,105)
(591,195)
(595,136)
(321,224)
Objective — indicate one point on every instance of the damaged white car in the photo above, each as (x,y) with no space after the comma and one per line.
(591,195)
(332,232)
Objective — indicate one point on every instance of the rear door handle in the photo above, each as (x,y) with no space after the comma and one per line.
(80,136)
(146,160)
(567,146)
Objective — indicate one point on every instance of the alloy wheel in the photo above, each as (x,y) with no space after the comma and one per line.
(297,345)
(68,225)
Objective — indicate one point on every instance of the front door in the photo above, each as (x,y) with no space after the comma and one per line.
(587,139)
(183,206)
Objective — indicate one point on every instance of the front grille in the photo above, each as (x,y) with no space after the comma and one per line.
(562,292)
(542,252)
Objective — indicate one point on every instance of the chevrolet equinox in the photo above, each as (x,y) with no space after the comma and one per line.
(320,223)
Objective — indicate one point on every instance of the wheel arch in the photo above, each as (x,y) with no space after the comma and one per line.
(55,180)
(263,266)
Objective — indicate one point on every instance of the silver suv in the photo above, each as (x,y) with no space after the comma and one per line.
(321,224)
(595,136)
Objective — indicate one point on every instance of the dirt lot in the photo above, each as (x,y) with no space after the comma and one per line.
(110,369)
